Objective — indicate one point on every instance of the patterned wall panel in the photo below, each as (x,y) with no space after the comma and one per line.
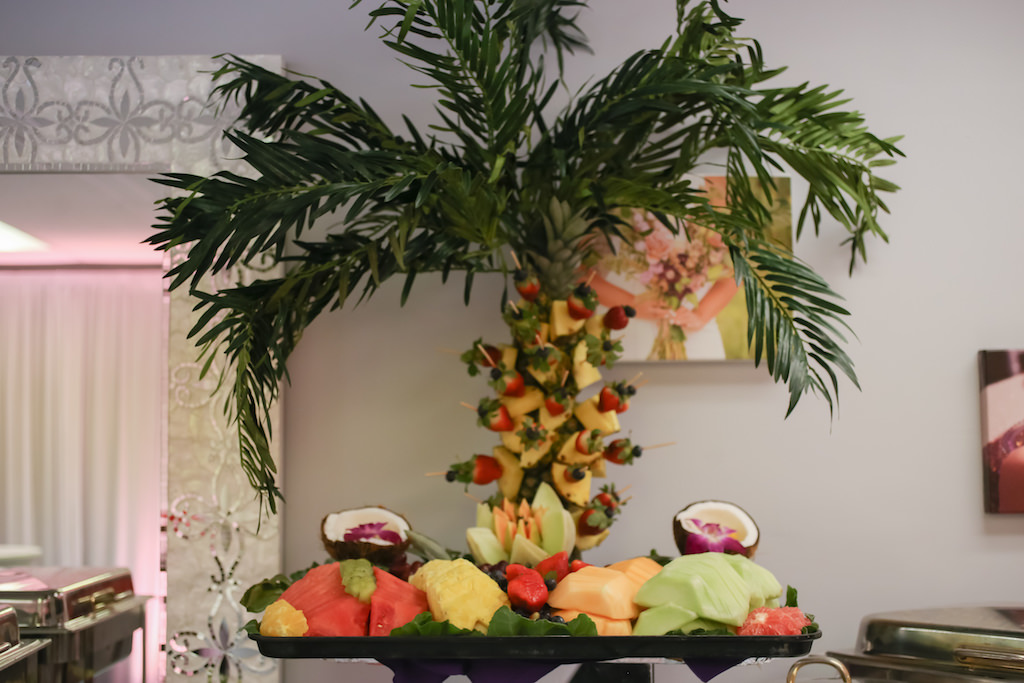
(135,114)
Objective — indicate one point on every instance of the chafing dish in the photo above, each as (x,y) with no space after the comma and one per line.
(88,615)
(940,645)
(19,659)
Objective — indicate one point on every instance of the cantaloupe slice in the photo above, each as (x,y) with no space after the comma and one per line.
(605,626)
(637,569)
(596,590)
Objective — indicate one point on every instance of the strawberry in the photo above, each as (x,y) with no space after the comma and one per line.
(480,469)
(490,356)
(622,452)
(592,522)
(556,403)
(507,382)
(557,564)
(533,433)
(494,416)
(617,317)
(609,399)
(582,302)
(588,442)
(526,588)
(608,499)
(526,284)
(576,565)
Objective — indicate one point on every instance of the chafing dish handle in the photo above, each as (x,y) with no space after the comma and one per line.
(999,659)
(818,659)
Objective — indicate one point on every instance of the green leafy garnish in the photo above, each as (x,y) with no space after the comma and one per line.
(261,595)
(424,625)
(505,622)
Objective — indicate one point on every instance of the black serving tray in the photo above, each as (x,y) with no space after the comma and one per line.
(565,649)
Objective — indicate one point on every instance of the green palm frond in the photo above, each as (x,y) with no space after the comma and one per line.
(502,172)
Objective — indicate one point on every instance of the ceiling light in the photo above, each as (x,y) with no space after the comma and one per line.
(12,239)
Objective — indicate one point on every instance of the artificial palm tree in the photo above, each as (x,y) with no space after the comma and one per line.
(503,175)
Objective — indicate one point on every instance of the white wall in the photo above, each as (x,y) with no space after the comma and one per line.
(878,509)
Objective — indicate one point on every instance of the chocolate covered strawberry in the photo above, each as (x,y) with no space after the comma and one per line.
(480,469)
(494,416)
(617,317)
(582,302)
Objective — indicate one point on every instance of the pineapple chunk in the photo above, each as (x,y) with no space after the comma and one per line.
(511,472)
(552,422)
(599,468)
(458,592)
(532,456)
(562,323)
(509,354)
(592,418)
(518,406)
(577,492)
(570,456)
(583,370)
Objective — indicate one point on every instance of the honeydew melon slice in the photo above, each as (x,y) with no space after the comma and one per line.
(484,516)
(557,527)
(764,587)
(659,620)
(526,552)
(485,546)
(705,583)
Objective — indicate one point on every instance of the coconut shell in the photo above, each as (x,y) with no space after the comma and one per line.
(680,533)
(376,553)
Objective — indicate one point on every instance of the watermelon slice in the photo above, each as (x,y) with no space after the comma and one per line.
(329,610)
(394,603)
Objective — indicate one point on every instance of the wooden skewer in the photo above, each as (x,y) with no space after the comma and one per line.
(660,445)
(515,259)
(467,405)
(472,497)
(434,474)
(623,501)
(590,277)
(635,378)
(565,377)
(640,384)
(624,489)
(512,304)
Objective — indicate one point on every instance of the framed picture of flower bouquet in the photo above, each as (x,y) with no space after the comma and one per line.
(1002,429)
(682,286)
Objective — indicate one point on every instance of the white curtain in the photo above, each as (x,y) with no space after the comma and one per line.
(82,361)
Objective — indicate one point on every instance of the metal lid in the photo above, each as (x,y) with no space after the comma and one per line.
(52,596)
(966,638)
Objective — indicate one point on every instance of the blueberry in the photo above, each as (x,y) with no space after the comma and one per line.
(550,584)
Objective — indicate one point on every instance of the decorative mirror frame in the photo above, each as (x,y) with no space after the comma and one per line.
(131,114)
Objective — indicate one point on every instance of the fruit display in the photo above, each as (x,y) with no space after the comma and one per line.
(556,420)
(520,578)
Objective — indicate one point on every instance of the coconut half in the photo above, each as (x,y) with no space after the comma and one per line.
(375,533)
(715,526)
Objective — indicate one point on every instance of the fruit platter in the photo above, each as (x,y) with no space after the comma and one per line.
(522,589)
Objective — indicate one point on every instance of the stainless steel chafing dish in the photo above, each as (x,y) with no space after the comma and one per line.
(88,615)
(942,645)
(19,659)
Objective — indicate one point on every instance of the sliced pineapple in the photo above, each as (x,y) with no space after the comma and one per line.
(570,456)
(517,406)
(592,418)
(552,422)
(583,371)
(511,471)
(562,323)
(458,592)
(577,492)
